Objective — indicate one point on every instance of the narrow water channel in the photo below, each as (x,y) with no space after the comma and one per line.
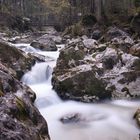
(72,120)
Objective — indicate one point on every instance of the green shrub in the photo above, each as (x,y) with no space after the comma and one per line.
(88,20)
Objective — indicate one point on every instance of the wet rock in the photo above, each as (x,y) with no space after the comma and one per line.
(71,55)
(97,34)
(22,38)
(75,78)
(135,50)
(19,119)
(40,58)
(13,58)
(137,117)
(114,32)
(45,43)
(71,118)
(124,76)
(110,58)
(90,43)
(80,83)
(103,71)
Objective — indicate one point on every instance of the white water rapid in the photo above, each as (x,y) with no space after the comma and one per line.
(79,121)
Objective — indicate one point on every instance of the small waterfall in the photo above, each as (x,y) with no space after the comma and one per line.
(79,121)
(25,47)
(39,73)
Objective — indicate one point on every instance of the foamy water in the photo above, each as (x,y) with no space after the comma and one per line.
(79,121)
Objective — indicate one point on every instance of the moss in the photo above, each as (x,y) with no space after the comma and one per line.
(1,93)
(22,113)
(97,89)
(72,54)
(137,117)
(65,86)
(76,30)
(88,20)
(94,55)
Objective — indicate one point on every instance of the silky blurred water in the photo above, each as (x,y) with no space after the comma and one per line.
(79,121)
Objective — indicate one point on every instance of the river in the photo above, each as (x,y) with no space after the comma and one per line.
(70,120)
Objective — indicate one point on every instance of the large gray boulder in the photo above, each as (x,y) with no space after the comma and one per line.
(47,42)
(15,59)
(75,78)
(19,118)
(97,72)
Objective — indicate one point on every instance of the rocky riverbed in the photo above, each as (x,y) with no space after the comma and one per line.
(19,118)
(87,70)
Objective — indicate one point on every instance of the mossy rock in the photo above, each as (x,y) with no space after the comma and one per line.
(137,117)
(1,93)
(22,113)
(13,58)
(76,85)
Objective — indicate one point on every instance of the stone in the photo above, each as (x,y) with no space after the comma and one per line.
(71,118)
(45,43)
(114,32)
(80,83)
(19,118)
(13,58)
(137,117)
(97,34)
(90,43)
(135,50)
(110,58)
(89,75)
(71,55)
(73,78)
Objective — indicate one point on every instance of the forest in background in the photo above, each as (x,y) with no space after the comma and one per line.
(62,13)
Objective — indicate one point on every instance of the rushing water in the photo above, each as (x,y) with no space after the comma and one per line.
(78,121)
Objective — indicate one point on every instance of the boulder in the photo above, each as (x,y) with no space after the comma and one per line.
(90,43)
(114,32)
(80,83)
(96,34)
(121,72)
(71,55)
(135,49)
(74,78)
(90,74)
(49,30)
(19,118)
(110,58)
(13,58)
(137,117)
(45,43)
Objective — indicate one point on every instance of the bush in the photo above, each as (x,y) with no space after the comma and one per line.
(88,20)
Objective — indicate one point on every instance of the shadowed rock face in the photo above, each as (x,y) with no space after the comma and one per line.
(19,118)
(15,59)
(137,117)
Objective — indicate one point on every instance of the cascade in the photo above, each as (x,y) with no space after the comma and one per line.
(70,120)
